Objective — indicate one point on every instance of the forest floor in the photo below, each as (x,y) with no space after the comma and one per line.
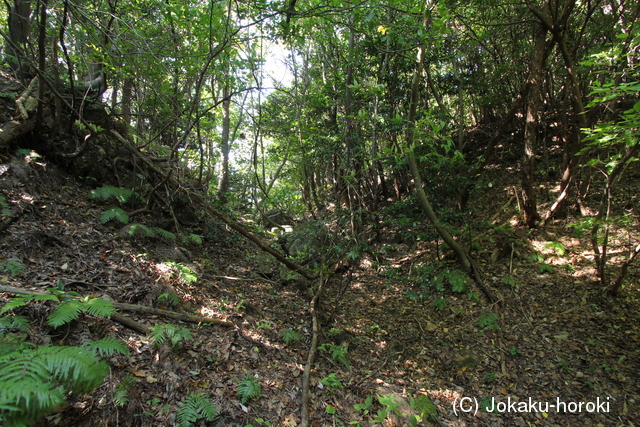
(393,329)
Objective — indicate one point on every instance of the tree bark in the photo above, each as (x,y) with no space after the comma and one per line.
(531,216)
(127,92)
(223,179)
(42,58)
(18,22)
(556,29)
(463,260)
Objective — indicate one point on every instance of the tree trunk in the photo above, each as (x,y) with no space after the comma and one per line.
(42,58)
(422,196)
(223,180)
(557,30)
(19,13)
(531,216)
(127,91)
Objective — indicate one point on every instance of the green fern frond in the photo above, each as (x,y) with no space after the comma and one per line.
(23,300)
(47,297)
(35,381)
(249,388)
(98,307)
(18,323)
(15,302)
(169,332)
(122,195)
(65,313)
(121,393)
(70,310)
(140,229)
(10,343)
(120,396)
(196,407)
(75,368)
(114,213)
(191,238)
(184,271)
(107,346)
(12,266)
(164,233)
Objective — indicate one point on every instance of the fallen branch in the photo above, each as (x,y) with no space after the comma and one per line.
(304,413)
(171,314)
(132,324)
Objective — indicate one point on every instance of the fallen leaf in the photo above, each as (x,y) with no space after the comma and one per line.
(562,336)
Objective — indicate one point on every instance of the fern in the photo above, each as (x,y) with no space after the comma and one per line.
(98,307)
(249,388)
(122,195)
(19,323)
(121,393)
(169,332)
(107,346)
(12,266)
(289,335)
(71,310)
(140,229)
(150,232)
(163,233)
(10,343)
(170,299)
(23,300)
(114,213)
(191,238)
(36,380)
(196,407)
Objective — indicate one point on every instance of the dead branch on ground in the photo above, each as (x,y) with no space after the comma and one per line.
(132,324)
(304,413)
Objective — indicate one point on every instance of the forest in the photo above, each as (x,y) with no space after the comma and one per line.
(319,213)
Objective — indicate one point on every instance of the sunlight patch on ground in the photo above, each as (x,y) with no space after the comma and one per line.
(206,312)
(165,271)
(365,263)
